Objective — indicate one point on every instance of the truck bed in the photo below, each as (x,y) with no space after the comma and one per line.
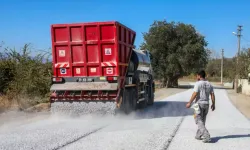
(91,49)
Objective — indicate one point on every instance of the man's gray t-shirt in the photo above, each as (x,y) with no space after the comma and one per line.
(203,89)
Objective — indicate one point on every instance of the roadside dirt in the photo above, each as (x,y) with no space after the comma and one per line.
(166,92)
(241,102)
(39,108)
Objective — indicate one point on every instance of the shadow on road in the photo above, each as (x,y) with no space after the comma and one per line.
(224,88)
(185,86)
(164,109)
(216,139)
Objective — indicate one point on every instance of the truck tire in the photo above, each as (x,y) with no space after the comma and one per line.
(136,80)
(150,92)
(143,104)
(125,102)
(129,100)
(133,100)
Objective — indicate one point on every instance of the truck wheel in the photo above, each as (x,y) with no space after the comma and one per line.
(133,100)
(125,103)
(150,92)
(144,103)
(136,80)
(129,100)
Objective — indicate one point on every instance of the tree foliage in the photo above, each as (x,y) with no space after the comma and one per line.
(244,63)
(229,66)
(177,49)
(24,75)
(213,68)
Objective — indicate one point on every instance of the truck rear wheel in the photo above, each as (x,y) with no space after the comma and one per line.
(143,103)
(129,100)
(133,100)
(150,92)
(139,89)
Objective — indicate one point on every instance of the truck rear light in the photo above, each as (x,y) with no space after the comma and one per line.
(54,94)
(103,78)
(111,78)
(57,79)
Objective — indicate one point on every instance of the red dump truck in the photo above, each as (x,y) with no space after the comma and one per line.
(96,62)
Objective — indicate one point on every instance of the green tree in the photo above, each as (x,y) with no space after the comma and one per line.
(244,63)
(229,68)
(213,68)
(177,49)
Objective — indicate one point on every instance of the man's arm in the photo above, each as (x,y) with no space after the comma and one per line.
(213,99)
(193,96)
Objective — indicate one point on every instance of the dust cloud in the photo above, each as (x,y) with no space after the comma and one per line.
(160,109)
(20,130)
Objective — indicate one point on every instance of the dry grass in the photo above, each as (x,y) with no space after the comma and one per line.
(39,108)
(24,104)
(4,103)
(7,104)
(192,78)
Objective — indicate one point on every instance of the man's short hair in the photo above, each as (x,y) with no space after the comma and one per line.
(202,73)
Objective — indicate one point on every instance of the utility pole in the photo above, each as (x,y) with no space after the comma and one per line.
(222,57)
(238,54)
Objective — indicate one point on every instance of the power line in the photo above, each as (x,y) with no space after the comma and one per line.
(245,39)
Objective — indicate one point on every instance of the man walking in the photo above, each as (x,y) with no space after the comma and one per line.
(202,90)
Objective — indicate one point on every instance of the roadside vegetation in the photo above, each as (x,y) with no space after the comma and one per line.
(24,79)
(213,67)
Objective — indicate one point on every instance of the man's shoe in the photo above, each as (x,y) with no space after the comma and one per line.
(198,138)
(206,140)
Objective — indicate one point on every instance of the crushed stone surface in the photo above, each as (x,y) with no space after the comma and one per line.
(152,128)
(133,135)
(47,134)
(76,108)
(229,129)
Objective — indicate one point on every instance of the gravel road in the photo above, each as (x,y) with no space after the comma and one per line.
(165,125)
(229,129)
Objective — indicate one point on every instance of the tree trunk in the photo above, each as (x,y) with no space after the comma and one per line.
(172,82)
(164,83)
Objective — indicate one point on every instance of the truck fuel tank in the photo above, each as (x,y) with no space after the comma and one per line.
(141,60)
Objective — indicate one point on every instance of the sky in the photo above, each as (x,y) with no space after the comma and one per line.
(28,21)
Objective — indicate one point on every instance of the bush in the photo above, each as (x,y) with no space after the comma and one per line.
(24,78)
